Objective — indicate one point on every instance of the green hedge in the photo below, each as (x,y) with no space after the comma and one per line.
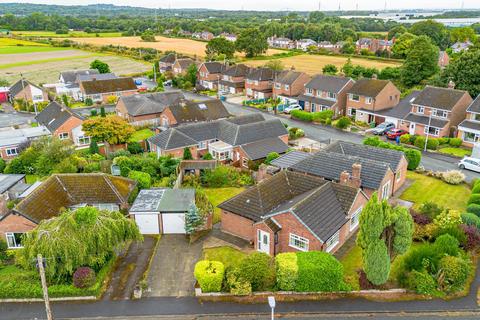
(413,156)
(471,219)
(474,199)
(259,269)
(319,271)
(474,208)
(301,115)
(455,142)
(322,116)
(287,271)
(209,275)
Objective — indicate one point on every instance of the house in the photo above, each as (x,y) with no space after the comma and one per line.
(437,112)
(101,90)
(374,45)
(209,75)
(325,92)
(27,91)
(259,83)
(60,192)
(11,186)
(469,129)
(458,47)
(372,169)
(71,76)
(292,212)
(233,79)
(146,109)
(162,211)
(281,43)
(304,44)
(12,140)
(189,112)
(368,96)
(332,47)
(207,36)
(443,59)
(229,36)
(289,85)
(63,123)
(239,139)
(166,62)
(180,66)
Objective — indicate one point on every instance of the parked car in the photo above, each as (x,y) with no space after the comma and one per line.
(292,107)
(382,128)
(470,163)
(392,134)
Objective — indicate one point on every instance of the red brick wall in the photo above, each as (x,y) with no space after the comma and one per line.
(237,225)
(387,98)
(68,126)
(178,153)
(15,223)
(400,175)
(295,89)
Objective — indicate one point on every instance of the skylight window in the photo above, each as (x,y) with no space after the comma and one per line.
(202,106)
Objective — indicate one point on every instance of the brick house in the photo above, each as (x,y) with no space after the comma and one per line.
(437,112)
(368,96)
(11,141)
(289,85)
(443,59)
(233,79)
(63,123)
(469,129)
(180,66)
(186,112)
(304,44)
(372,169)
(325,92)
(11,186)
(239,139)
(27,91)
(146,109)
(100,90)
(166,62)
(209,75)
(259,83)
(60,192)
(292,212)
(282,43)
(69,81)
(374,45)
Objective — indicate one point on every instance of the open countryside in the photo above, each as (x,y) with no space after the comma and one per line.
(12,46)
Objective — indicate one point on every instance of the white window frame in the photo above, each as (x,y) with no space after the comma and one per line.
(354,97)
(309,91)
(83,140)
(331,95)
(278,85)
(333,241)
(443,115)
(350,112)
(245,162)
(63,136)
(427,131)
(11,237)
(355,219)
(297,242)
(202,145)
(386,190)
(11,151)
(476,136)
(368,100)
(420,110)
(287,87)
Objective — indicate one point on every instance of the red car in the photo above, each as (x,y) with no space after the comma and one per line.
(394,133)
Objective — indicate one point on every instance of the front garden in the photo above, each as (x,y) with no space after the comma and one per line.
(450,146)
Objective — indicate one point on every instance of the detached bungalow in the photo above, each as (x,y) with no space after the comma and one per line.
(12,140)
(27,91)
(101,90)
(294,212)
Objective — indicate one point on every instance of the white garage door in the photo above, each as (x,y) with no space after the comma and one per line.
(173,223)
(147,223)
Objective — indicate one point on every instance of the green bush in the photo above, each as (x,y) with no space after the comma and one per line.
(413,158)
(474,208)
(225,176)
(295,133)
(319,272)
(431,209)
(287,271)
(455,142)
(454,273)
(471,219)
(443,140)
(372,141)
(134,148)
(420,142)
(447,244)
(419,258)
(259,270)
(144,180)
(322,116)
(271,156)
(413,138)
(454,231)
(207,156)
(474,199)
(301,115)
(237,285)
(432,144)
(3,250)
(421,282)
(405,138)
(476,188)
(343,123)
(209,275)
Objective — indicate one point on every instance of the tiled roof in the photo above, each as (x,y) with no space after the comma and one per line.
(261,74)
(316,100)
(169,58)
(475,105)
(108,86)
(61,191)
(184,62)
(439,98)
(72,75)
(234,84)
(425,120)
(18,86)
(288,77)
(469,124)
(368,87)
(8,180)
(327,83)
(199,111)
(289,159)
(150,103)
(214,67)
(55,115)
(172,139)
(261,148)
(96,76)
(238,70)
(402,109)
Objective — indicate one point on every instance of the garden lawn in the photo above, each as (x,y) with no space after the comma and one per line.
(435,190)
(230,257)
(141,135)
(459,152)
(352,262)
(219,195)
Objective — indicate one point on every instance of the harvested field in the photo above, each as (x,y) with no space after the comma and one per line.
(43,67)
(13,46)
(52,34)
(185,46)
(313,64)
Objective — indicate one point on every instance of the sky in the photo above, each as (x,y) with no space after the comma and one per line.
(293,5)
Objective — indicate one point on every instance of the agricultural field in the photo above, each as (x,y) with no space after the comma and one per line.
(71,34)
(313,64)
(15,46)
(185,46)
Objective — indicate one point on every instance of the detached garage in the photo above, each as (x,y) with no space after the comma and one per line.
(162,211)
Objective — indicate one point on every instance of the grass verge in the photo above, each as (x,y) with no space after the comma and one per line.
(230,257)
(458,152)
(352,262)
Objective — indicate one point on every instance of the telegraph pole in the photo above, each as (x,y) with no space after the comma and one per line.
(44,286)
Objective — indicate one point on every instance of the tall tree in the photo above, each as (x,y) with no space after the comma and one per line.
(396,31)
(464,72)
(275,65)
(402,45)
(436,31)
(111,129)
(421,62)
(218,46)
(252,42)
(462,34)
(101,66)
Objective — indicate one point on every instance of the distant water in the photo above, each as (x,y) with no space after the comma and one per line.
(403,18)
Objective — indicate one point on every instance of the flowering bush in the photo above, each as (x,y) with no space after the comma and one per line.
(421,219)
(448,219)
(84,277)
(453,177)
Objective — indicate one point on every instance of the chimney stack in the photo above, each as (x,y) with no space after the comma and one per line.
(356,172)
(345,178)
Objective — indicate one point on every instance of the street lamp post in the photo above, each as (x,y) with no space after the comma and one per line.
(271,303)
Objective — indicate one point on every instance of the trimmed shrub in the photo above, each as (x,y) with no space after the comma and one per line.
(432,144)
(413,158)
(271,156)
(453,273)
(474,199)
(84,277)
(453,177)
(472,235)
(301,115)
(455,142)
(474,208)
(413,138)
(447,244)
(144,180)
(319,272)
(405,138)
(431,209)
(443,140)
(421,282)
(258,269)
(322,116)
(187,154)
(448,218)
(420,142)
(209,275)
(237,285)
(287,271)
(3,250)
(134,148)
(476,188)
(295,133)
(343,123)
(207,156)
(418,258)
(372,141)
(470,219)
(421,219)
(454,231)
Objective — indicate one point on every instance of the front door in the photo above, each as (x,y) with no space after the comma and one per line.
(411,128)
(263,242)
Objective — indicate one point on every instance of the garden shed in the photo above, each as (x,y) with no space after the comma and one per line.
(162,211)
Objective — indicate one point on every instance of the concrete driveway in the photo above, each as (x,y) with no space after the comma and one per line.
(171,272)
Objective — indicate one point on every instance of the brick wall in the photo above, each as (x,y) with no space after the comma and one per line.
(387,98)
(237,225)
(400,175)
(15,223)
(68,126)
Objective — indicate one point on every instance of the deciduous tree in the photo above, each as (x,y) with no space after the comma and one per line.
(252,42)
(421,62)
(218,46)
(111,129)
(101,66)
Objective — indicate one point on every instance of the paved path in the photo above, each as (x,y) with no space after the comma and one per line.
(171,273)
